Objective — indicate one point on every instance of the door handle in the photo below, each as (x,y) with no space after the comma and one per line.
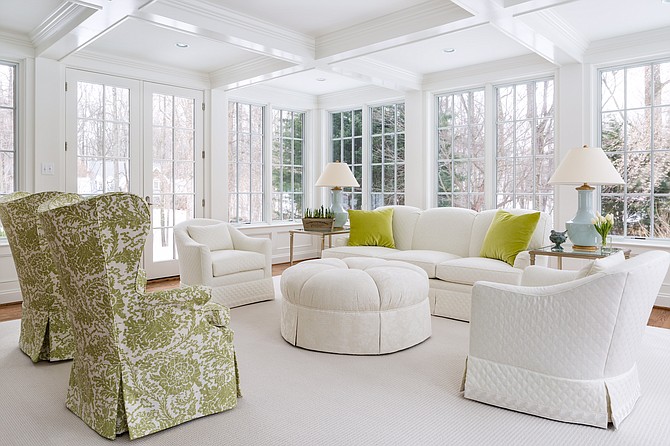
(148,200)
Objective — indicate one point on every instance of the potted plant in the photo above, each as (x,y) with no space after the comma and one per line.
(319,219)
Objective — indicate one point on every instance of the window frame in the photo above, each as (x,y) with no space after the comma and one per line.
(355,167)
(398,196)
(15,127)
(610,191)
(297,212)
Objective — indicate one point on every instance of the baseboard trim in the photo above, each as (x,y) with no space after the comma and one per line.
(663,300)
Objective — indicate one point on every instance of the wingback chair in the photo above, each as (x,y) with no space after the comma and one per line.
(143,361)
(218,255)
(565,351)
(46,332)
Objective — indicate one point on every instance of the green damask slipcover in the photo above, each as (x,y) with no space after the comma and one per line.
(46,332)
(143,362)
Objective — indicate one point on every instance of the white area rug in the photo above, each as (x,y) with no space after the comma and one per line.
(300,397)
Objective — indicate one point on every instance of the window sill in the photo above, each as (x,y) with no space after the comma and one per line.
(642,242)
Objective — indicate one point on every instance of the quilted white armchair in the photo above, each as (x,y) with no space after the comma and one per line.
(565,351)
(237,267)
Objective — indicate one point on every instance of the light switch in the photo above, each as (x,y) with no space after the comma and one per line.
(47,168)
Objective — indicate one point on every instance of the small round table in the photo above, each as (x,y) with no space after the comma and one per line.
(357,305)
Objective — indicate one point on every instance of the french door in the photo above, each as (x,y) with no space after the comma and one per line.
(138,137)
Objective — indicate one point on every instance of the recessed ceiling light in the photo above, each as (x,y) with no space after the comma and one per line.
(321,79)
(449,50)
(181,45)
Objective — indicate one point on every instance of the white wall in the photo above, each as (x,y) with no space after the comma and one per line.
(42,132)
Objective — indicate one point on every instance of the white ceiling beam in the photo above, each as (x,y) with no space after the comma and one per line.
(376,73)
(231,27)
(424,21)
(76,33)
(252,72)
(505,21)
(520,7)
(62,21)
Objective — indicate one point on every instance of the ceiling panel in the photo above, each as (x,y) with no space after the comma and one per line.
(471,46)
(314,17)
(17,17)
(143,41)
(306,82)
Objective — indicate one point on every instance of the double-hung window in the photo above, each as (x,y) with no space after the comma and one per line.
(525,145)
(347,147)
(635,134)
(460,149)
(288,142)
(245,163)
(387,138)
(8,125)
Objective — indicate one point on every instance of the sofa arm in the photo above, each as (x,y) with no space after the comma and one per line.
(195,263)
(543,328)
(263,246)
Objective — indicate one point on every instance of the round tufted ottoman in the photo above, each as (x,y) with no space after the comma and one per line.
(357,305)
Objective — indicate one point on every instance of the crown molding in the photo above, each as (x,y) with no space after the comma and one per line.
(275,95)
(131,68)
(262,37)
(18,41)
(418,22)
(630,47)
(564,35)
(252,71)
(355,97)
(63,20)
(529,65)
(378,73)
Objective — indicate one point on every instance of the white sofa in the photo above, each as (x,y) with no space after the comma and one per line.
(445,242)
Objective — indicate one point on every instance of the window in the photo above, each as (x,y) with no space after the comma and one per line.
(245,163)
(635,133)
(103,138)
(347,140)
(288,142)
(7,128)
(388,155)
(525,145)
(8,124)
(460,151)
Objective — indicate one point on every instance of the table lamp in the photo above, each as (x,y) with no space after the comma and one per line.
(337,175)
(586,166)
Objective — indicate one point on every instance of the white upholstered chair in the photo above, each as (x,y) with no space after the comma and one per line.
(565,351)
(237,267)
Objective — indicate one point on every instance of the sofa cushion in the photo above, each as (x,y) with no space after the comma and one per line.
(230,261)
(371,228)
(215,237)
(341,252)
(469,270)
(508,235)
(424,259)
(404,221)
(602,265)
(444,229)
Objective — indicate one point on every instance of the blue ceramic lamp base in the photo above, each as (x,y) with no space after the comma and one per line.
(581,232)
(341,216)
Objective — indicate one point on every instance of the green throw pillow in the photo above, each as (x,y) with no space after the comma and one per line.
(508,235)
(371,228)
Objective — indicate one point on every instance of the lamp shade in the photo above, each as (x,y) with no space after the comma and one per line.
(337,175)
(586,165)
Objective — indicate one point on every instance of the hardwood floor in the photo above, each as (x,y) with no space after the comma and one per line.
(660,317)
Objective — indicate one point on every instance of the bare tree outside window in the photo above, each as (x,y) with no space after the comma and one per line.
(347,147)
(8,124)
(387,126)
(525,145)
(288,143)
(460,149)
(245,163)
(103,138)
(635,134)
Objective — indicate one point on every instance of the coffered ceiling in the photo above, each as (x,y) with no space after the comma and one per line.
(319,47)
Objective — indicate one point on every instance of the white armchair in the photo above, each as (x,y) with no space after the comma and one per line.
(565,351)
(213,253)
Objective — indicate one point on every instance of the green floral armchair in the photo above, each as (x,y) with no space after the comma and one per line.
(143,362)
(46,332)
